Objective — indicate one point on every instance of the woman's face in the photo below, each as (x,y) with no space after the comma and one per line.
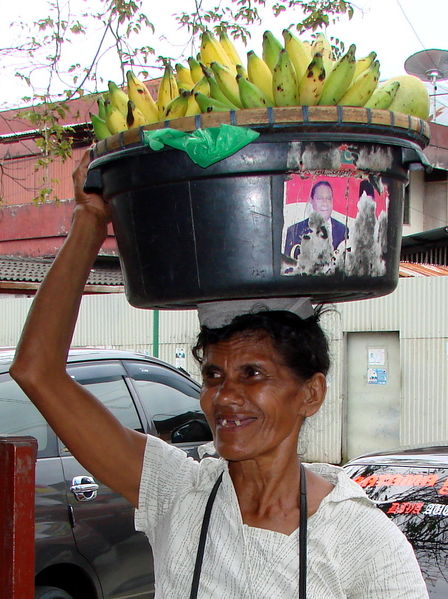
(254,403)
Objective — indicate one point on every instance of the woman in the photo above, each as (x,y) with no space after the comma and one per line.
(232,527)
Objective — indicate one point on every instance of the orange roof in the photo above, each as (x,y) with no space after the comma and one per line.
(413,269)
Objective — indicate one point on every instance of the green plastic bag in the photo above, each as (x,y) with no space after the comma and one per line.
(203,146)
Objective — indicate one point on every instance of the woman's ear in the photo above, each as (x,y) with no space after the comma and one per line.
(316,389)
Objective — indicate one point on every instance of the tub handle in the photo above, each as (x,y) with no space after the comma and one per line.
(415,159)
(94,181)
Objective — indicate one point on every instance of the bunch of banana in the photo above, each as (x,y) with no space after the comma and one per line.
(297,72)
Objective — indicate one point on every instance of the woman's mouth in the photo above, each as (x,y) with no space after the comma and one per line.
(233,423)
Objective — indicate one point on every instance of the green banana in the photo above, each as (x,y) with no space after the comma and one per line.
(101,107)
(383,96)
(362,87)
(227,82)
(215,90)
(118,98)
(251,95)
(207,104)
(340,78)
(313,81)
(260,74)
(271,49)
(100,127)
(284,82)
(299,54)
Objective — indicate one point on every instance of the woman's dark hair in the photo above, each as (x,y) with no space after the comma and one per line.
(301,342)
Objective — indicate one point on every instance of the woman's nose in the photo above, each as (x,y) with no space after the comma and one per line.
(228,392)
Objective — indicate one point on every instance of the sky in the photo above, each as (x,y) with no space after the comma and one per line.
(394,29)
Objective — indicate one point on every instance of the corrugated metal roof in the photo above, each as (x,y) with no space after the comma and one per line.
(412,269)
(33,270)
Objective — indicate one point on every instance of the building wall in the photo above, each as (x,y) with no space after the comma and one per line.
(417,310)
(416,202)
(435,205)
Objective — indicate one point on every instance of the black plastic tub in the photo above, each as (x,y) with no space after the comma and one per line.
(308,209)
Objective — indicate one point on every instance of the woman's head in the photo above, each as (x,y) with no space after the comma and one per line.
(300,342)
(263,375)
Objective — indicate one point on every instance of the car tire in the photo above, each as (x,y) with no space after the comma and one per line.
(51,593)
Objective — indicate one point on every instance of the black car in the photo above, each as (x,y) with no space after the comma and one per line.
(86,545)
(411,487)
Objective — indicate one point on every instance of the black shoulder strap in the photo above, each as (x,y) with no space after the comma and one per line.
(302,536)
(203,538)
(302,533)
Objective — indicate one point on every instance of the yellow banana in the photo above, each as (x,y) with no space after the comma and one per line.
(118,98)
(312,82)
(229,47)
(135,117)
(340,78)
(363,63)
(207,104)
(178,106)
(183,75)
(271,49)
(260,74)
(141,96)
(115,119)
(195,69)
(284,82)
(251,95)
(215,90)
(383,96)
(192,106)
(362,87)
(100,127)
(212,51)
(168,89)
(202,86)
(298,53)
(227,82)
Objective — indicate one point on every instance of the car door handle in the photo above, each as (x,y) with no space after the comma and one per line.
(84,488)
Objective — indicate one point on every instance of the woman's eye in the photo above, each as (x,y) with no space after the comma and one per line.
(252,371)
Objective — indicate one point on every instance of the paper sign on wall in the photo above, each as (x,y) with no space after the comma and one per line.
(376,356)
(376,376)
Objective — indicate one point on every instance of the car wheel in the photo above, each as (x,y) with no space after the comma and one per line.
(51,593)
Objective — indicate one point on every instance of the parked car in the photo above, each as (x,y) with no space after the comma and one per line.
(411,487)
(86,545)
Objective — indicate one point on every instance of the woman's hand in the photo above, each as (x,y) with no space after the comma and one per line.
(91,201)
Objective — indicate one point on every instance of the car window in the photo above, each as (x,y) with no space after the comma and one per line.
(18,416)
(416,499)
(106,382)
(170,401)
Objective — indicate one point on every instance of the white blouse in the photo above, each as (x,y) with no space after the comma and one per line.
(354,550)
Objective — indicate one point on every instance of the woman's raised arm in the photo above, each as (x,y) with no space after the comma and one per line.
(107,449)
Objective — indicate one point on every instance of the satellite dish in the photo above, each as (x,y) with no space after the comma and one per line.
(429,65)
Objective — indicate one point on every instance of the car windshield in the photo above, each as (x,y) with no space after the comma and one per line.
(416,499)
